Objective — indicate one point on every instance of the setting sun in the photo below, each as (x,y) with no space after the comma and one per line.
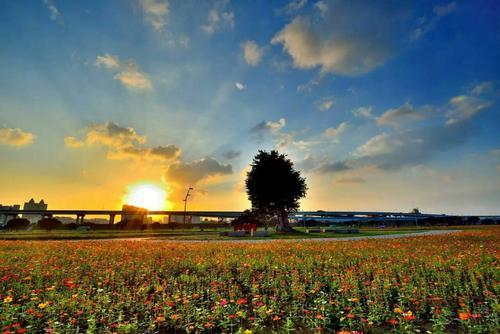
(146,195)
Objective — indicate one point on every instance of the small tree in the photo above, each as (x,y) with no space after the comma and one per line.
(274,187)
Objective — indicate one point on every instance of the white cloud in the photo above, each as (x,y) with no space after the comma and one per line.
(378,145)
(403,113)
(240,86)
(363,112)
(295,5)
(218,19)
(15,137)
(482,88)
(324,104)
(322,7)
(252,53)
(426,25)
(464,107)
(276,126)
(55,15)
(335,45)
(128,73)
(122,143)
(334,133)
(155,12)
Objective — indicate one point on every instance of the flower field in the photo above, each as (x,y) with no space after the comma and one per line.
(437,284)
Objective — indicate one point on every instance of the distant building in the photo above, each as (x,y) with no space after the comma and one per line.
(32,205)
(133,213)
(4,218)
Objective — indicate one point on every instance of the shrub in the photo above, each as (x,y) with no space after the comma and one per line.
(49,223)
(17,224)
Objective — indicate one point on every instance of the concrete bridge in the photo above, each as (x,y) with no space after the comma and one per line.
(300,215)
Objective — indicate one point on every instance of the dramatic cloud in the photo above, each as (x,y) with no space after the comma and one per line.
(196,171)
(15,137)
(218,19)
(323,165)
(55,15)
(240,86)
(334,133)
(404,113)
(122,143)
(324,104)
(252,53)
(273,130)
(336,45)
(333,167)
(155,12)
(128,72)
(231,154)
(426,25)
(350,179)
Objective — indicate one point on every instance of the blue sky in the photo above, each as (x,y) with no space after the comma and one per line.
(382,106)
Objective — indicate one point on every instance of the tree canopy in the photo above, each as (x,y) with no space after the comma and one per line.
(274,186)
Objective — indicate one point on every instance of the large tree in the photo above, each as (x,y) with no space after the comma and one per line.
(274,187)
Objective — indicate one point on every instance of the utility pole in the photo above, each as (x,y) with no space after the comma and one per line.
(185,204)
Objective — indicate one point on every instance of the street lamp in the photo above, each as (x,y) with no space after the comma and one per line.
(185,204)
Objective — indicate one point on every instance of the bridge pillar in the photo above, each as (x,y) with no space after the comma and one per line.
(111,219)
(79,218)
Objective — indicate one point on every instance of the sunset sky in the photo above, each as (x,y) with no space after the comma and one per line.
(385,105)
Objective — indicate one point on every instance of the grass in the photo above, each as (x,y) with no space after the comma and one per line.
(182,234)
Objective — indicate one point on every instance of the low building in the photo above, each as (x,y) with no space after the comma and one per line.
(4,218)
(32,205)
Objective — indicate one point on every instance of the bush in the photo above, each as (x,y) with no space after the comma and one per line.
(49,223)
(17,224)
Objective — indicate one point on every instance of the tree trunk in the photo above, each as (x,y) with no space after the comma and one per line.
(283,223)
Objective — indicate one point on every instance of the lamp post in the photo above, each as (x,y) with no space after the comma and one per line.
(185,204)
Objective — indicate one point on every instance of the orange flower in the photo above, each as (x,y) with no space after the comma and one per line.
(464,316)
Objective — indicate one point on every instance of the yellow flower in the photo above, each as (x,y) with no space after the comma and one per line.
(240,314)
(398,310)
(247,331)
(43,305)
(7,299)
(53,287)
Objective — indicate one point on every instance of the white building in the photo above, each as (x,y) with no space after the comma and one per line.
(32,205)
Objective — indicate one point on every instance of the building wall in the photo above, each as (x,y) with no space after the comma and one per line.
(32,205)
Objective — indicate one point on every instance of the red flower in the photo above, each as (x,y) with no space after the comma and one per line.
(223,302)
(393,322)
(409,317)
(241,301)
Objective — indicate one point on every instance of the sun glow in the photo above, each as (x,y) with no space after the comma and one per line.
(148,196)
